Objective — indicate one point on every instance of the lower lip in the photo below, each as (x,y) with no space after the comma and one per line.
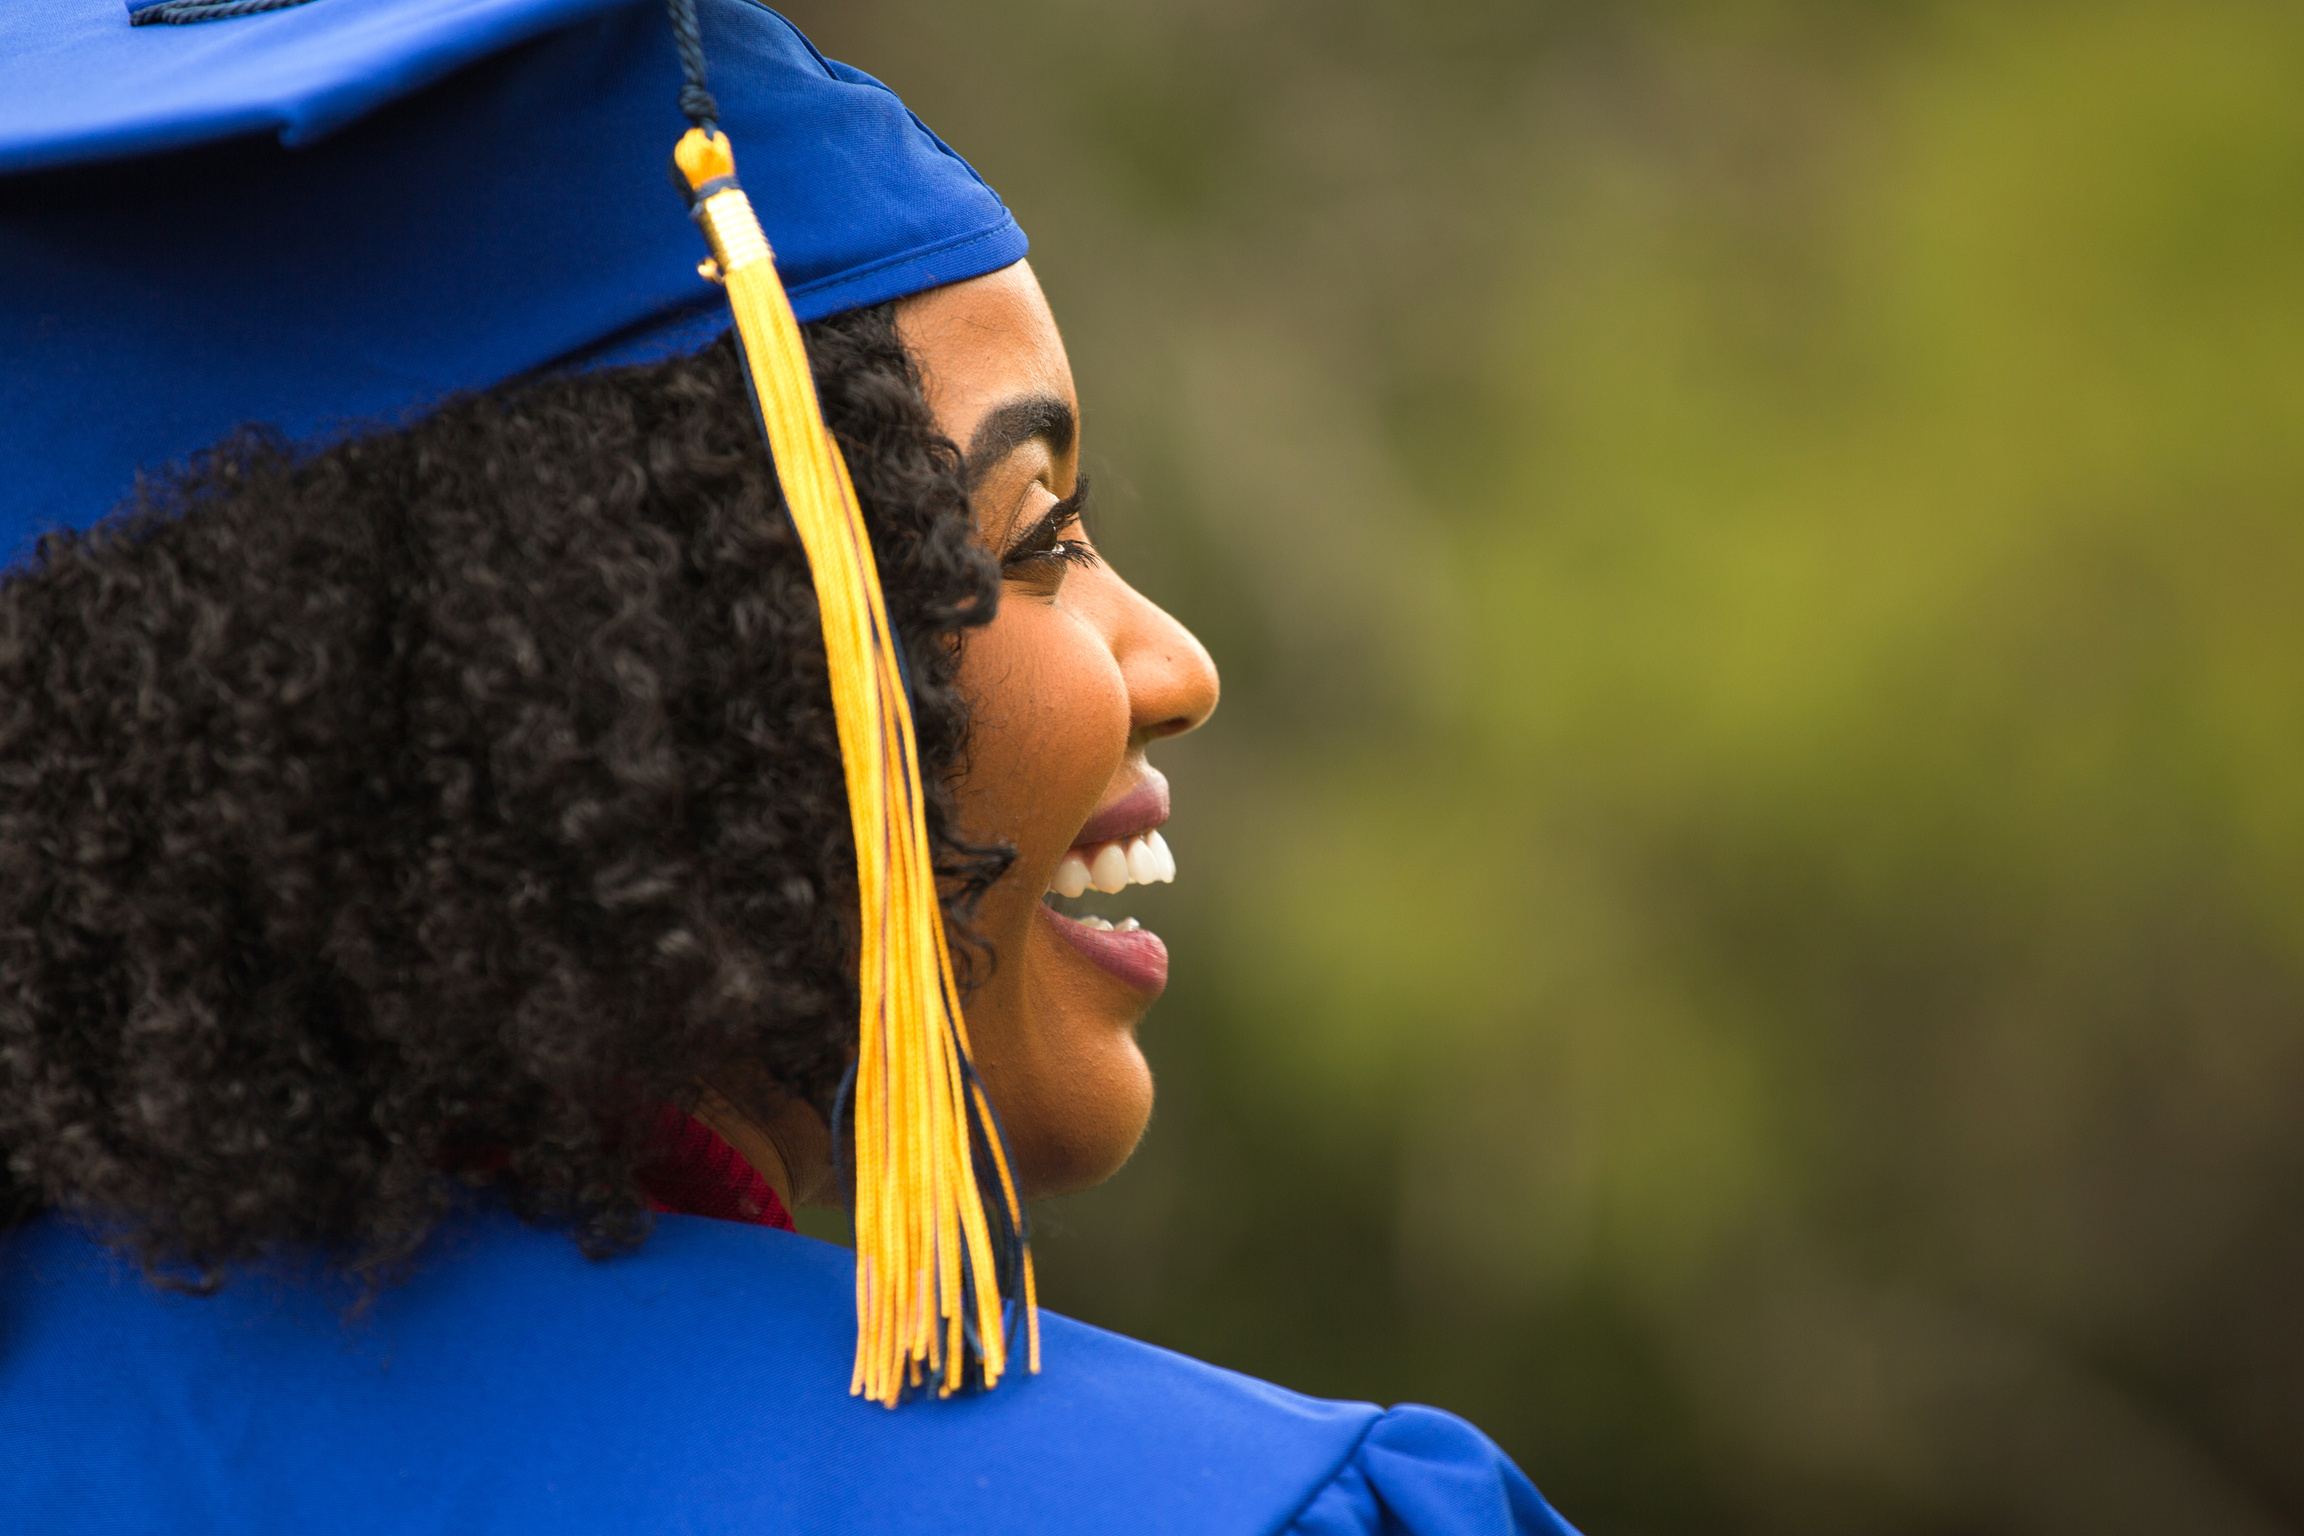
(1137,958)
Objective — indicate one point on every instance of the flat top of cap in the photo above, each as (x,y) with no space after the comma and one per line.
(78,82)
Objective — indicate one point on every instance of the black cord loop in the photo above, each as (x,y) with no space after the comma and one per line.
(695,98)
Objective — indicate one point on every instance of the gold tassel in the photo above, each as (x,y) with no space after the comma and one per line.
(925,1273)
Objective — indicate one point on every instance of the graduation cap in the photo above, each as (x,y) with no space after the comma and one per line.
(323,213)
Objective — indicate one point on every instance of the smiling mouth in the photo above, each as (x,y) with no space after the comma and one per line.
(1111,868)
(1126,949)
(1119,847)
(1114,866)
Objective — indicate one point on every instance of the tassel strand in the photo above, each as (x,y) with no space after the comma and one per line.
(928,1290)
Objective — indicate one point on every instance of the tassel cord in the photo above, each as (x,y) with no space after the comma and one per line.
(932,1300)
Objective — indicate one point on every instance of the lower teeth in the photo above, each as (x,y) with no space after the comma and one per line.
(1125,925)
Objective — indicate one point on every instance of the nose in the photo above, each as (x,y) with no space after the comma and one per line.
(1172,686)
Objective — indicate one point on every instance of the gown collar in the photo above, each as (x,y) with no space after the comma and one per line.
(699,1174)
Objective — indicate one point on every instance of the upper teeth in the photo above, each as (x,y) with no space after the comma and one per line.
(1113,867)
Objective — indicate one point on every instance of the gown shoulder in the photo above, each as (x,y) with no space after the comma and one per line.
(698,1384)
(1421,1472)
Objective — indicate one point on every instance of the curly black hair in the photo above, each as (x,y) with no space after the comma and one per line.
(431,809)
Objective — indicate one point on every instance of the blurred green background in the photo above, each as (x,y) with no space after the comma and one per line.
(1742,923)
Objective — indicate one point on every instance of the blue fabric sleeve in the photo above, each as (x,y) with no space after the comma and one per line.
(1421,1472)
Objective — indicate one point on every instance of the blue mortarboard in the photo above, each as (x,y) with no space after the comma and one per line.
(330,212)
(320,213)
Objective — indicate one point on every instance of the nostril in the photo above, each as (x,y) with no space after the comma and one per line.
(1174,725)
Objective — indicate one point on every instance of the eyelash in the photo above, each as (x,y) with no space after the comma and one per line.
(1072,510)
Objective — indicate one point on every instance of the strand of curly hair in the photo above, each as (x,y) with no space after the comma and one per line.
(429,810)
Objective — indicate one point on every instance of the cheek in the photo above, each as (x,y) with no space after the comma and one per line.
(1048,729)
(1048,735)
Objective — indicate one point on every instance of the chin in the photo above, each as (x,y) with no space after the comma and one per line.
(1054,1038)
(1082,1135)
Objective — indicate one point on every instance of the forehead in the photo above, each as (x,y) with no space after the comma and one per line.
(986,344)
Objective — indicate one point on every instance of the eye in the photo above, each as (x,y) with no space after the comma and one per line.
(1044,548)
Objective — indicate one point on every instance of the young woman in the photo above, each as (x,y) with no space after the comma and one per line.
(428,885)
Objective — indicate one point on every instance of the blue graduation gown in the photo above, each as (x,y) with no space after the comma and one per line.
(696,1385)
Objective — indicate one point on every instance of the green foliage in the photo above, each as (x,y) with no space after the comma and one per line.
(1742,923)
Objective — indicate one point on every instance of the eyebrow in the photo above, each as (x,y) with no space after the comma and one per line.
(1006,428)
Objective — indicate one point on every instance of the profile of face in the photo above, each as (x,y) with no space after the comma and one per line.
(1076,675)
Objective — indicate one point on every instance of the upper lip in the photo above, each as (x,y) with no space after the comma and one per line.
(1142,808)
